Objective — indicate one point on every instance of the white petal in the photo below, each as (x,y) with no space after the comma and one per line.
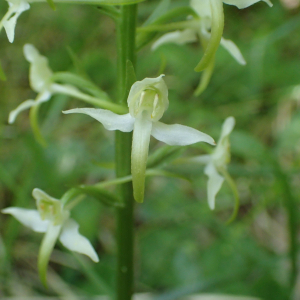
(202,8)
(214,183)
(245,3)
(30,53)
(176,37)
(138,87)
(108,119)
(23,106)
(227,128)
(28,217)
(139,155)
(10,24)
(40,73)
(74,241)
(179,134)
(235,52)
(39,195)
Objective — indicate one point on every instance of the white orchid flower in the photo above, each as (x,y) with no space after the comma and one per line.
(9,21)
(216,162)
(52,218)
(40,81)
(209,29)
(147,101)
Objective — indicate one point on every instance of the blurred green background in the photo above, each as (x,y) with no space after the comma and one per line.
(181,246)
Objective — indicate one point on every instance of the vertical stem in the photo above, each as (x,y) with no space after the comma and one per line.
(125,220)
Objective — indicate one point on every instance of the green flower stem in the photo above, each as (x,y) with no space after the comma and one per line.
(33,116)
(92,100)
(126,28)
(235,193)
(170,26)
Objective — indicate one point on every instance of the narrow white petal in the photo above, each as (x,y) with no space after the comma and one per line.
(139,155)
(28,217)
(227,128)
(235,52)
(23,106)
(46,249)
(179,134)
(108,119)
(214,183)
(10,24)
(74,241)
(245,3)
(176,37)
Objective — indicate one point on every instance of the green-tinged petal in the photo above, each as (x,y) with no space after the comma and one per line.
(202,8)
(245,3)
(28,217)
(138,96)
(235,52)
(108,119)
(40,74)
(227,128)
(10,24)
(176,37)
(217,25)
(23,106)
(214,183)
(74,241)
(49,208)
(179,134)
(139,155)
(205,78)
(46,248)
(221,154)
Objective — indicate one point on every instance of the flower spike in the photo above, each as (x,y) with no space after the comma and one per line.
(147,101)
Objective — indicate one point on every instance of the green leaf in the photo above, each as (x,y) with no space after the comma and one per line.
(80,82)
(161,9)
(110,11)
(145,37)
(164,155)
(101,194)
(130,75)
(51,4)
(76,62)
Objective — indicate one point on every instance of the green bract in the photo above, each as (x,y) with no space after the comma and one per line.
(52,218)
(147,101)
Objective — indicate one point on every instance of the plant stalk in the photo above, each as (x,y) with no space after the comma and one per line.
(126,30)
